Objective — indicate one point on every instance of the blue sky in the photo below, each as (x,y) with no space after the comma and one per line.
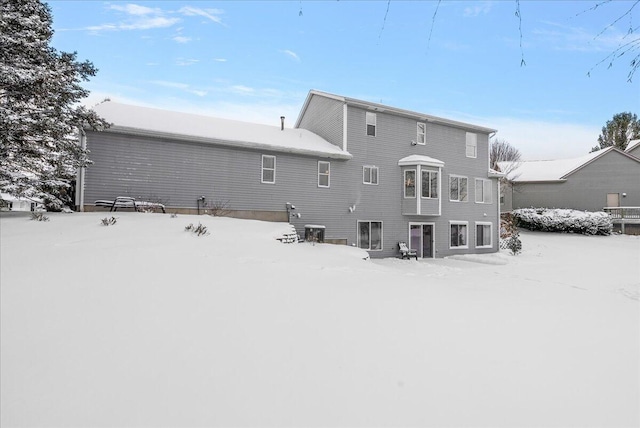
(256,61)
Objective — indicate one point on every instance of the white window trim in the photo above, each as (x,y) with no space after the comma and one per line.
(475,232)
(424,134)
(381,234)
(415,184)
(459,223)
(374,123)
(484,193)
(262,169)
(458,177)
(364,175)
(430,171)
(328,174)
(474,144)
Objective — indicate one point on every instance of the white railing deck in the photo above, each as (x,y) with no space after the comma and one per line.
(631,213)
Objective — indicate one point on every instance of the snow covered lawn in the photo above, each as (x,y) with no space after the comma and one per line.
(144,324)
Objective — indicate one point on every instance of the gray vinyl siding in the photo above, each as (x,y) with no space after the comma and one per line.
(177,173)
(587,188)
(385,202)
(324,117)
(635,151)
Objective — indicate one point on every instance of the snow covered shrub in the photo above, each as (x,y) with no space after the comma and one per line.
(198,230)
(38,216)
(509,235)
(174,215)
(514,244)
(564,220)
(109,221)
(218,208)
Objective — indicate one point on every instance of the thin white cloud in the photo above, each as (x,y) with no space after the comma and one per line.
(573,38)
(210,14)
(181,39)
(220,59)
(149,23)
(181,86)
(480,8)
(134,9)
(182,62)
(242,89)
(291,54)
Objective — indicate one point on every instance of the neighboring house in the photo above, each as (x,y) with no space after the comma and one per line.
(633,148)
(357,173)
(12,203)
(604,178)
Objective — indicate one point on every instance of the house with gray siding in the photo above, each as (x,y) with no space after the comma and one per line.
(633,148)
(364,174)
(605,178)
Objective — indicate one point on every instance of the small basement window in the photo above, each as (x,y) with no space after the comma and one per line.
(314,233)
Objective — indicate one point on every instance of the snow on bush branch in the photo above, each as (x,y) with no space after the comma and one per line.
(564,220)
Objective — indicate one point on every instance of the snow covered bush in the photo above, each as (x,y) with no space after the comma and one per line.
(109,221)
(38,216)
(509,235)
(564,220)
(199,230)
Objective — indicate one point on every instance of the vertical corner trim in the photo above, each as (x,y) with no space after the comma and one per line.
(344,127)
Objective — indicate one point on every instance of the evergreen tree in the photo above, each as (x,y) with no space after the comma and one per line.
(39,112)
(618,131)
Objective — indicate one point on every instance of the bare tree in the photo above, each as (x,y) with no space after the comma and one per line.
(502,151)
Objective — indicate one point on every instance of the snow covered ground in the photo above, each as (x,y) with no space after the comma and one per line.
(144,324)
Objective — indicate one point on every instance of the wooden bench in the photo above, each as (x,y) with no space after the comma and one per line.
(127,202)
(406,252)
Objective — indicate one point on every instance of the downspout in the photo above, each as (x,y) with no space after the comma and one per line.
(81,173)
(344,127)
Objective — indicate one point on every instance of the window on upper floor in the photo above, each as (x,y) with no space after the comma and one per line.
(370,235)
(324,169)
(457,188)
(268,169)
(458,234)
(410,183)
(370,174)
(421,137)
(472,145)
(429,184)
(484,235)
(483,191)
(371,124)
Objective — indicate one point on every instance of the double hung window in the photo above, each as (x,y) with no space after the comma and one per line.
(483,235)
(457,188)
(472,145)
(371,123)
(421,137)
(429,184)
(324,169)
(410,183)
(268,169)
(483,191)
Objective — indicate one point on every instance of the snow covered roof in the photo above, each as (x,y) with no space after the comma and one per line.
(552,170)
(420,160)
(394,110)
(191,127)
(632,145)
